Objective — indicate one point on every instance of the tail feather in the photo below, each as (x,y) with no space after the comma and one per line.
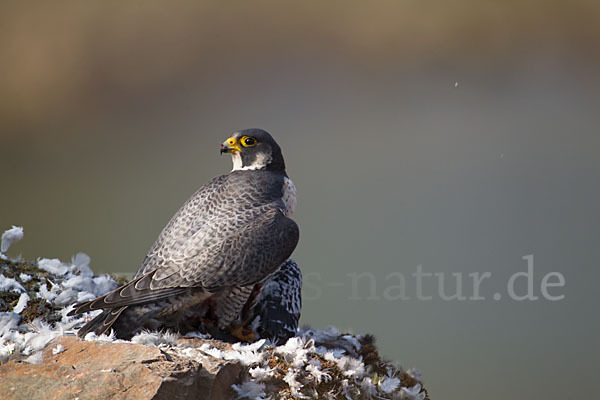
(102,323)
(128,295)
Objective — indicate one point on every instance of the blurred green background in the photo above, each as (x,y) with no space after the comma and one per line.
(460,136)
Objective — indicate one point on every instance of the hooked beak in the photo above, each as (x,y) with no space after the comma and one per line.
(231,145)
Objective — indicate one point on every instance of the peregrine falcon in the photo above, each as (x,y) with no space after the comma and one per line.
(233,234)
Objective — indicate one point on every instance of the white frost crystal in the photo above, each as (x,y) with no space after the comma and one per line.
(413,393)
(35,358)
(58,349)
(54,266)
(389,384)
(250,390)
(81,261)
(21,304)
(10,285)
(154,339)
(10,236)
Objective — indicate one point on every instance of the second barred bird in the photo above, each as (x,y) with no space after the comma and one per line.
(279,301)
(271,312)
(233,234)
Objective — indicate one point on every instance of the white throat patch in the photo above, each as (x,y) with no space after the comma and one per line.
(237,161)
(261,162)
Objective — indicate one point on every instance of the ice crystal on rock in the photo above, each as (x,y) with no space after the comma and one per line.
(35,358)
(389,384)
(58,349)
(10,236)
(54,266)
(9,284)
(155,339)
(21,304)
(250,390)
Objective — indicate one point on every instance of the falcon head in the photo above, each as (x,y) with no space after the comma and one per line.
(253,149)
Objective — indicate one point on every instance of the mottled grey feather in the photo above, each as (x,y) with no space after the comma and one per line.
(234,233)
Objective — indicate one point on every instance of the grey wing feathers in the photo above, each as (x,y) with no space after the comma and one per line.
(251,254)
(236,257)
(214,241)
(189,219)
(215,229)
(240,240)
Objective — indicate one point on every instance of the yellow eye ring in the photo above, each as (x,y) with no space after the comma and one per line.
(248,141)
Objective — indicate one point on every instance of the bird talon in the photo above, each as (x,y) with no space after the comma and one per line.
(242,333)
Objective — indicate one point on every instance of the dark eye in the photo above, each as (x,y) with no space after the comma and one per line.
(248,141)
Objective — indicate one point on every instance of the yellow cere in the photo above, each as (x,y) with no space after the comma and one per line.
(232,143)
